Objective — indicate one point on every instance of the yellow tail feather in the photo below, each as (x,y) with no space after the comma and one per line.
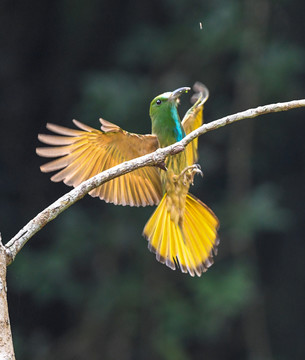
(189,245)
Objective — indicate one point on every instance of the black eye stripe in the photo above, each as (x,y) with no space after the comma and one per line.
(158,102)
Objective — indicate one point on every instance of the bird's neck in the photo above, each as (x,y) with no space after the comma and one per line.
(166,125)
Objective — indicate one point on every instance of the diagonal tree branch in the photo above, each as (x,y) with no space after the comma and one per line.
(154,159)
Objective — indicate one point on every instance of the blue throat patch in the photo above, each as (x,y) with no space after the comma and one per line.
(178,131)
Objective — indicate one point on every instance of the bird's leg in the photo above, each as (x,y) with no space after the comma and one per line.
(187,174)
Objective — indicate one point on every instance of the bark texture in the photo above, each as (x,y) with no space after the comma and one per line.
(6,342)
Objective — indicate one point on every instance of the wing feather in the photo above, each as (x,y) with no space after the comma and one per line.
(61,130)
(84,153)
(56,140)
(193,119)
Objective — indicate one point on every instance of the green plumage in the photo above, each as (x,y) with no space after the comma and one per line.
(166,123)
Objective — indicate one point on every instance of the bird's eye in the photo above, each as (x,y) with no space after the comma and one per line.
(158,102)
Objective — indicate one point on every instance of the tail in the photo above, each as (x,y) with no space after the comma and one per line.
(190,246)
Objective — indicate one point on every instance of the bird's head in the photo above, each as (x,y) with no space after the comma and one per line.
(164,103)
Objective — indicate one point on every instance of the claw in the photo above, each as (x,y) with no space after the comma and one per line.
(188,174)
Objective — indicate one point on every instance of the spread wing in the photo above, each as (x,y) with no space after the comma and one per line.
(86,152)
(193,119)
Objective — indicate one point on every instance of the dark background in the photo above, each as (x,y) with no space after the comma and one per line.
(86,287)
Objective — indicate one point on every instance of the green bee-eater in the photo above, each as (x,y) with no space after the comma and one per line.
(182,231)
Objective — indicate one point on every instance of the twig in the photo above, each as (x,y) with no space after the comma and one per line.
(154,159)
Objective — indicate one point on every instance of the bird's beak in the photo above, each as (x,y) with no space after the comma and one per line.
(178,92)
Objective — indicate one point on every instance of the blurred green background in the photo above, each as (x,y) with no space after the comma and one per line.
(86,287)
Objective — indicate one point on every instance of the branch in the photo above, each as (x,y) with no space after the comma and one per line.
(156,158)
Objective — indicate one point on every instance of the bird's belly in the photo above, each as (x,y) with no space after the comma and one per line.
(174,185)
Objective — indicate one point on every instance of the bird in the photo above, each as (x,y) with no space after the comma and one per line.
(182,231)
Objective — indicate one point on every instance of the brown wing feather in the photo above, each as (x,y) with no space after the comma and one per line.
(193,119)
(84,153)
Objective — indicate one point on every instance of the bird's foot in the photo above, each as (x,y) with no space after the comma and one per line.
(187,174)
